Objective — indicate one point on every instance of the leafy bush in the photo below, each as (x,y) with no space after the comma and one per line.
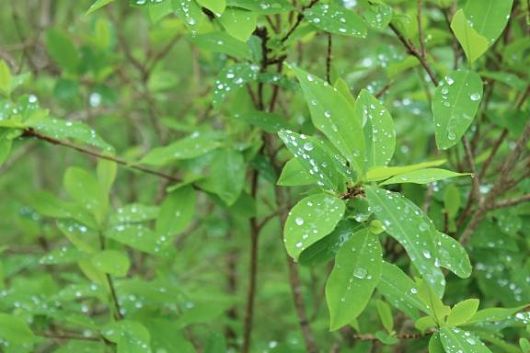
(153,151)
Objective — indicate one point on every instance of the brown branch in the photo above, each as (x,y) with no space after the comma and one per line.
(415,52)
(33,133)
(328,58)
(299,19)
(499,186)
(68,336)
(511,202)
(420,28)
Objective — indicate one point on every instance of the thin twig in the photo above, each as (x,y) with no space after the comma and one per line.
(328,58)
(415,52)
(54,141)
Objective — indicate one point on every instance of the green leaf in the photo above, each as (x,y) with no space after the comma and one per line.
(382,173)
(226,176)
(106,172)
(270,122)
(494,314)
(401,291)
(356,273)
(191,14)
(263,7)
(137,237)
(454,105)
(453,256)
(326,248)
(195,145)
(134,213)
(488,17)
(332,114)
(113,262)
(5,148)
(336,19)
(455,340)
(14,330)
(431,299)
(85,189)
(130,336)
(377,15)
(222,42)
(98,4)
(425,323)
(385,315)
(233,77)
(62,50)
(435,344)
(176,212)
(423,176)
(462,312)
(406,222)
(216,6)
(378,127)
(452,200)
(294,174)
(239,23)
(310,220)
(472,42)
(74,130)
(5,79)
(314,158)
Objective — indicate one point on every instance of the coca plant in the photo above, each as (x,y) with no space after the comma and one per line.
(265,176)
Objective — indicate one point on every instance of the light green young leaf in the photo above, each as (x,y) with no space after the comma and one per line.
(5,79)
(472,42)
(424,323)
(113,262)
(378,127)
(314,158)
(62,50)
(382,173)
(98,4)
(494,314)
(455,340)
(294,174)
(356,273)
(439,310)
(216,6)
(336,19)
(332,114)
(239,23)
(176,212)
(401,291)
(423,176)
(406,222)
(222,42)
(435,344)
(488,17)
(195,145)
(16,331)
(233,77)
(462,312)
(226,176)
(453,256)
(310,220)
(385,315)
(454,105)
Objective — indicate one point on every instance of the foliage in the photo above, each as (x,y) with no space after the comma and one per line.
(152,151)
